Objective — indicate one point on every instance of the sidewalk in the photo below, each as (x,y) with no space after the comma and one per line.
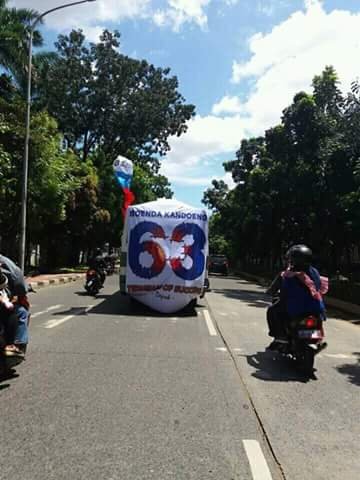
(46,280)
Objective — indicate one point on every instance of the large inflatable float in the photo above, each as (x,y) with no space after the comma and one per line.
(164,254)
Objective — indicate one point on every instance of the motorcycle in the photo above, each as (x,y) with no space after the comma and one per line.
(305,339)
(93,282)
(110,268)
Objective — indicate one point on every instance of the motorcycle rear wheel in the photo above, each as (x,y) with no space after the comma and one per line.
(305,357)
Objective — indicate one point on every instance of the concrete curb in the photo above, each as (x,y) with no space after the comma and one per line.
(55,281)
(346,307)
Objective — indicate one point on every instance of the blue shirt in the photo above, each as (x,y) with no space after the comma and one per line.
(299,300)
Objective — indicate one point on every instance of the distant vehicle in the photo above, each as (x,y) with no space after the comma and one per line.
(218,264)
(93,282)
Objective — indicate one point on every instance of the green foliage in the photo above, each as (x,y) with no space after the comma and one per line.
(110,101)
(14,32)
(298,183)
(106,104)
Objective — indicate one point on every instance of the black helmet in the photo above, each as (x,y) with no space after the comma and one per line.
(3,281)
(299,256)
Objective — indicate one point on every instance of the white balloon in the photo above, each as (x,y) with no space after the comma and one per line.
(124,165)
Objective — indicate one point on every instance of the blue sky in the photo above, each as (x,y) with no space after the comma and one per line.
(238,61)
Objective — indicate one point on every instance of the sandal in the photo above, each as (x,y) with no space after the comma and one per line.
(12,351)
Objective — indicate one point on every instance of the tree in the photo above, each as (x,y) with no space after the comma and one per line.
(107,100)
(298,183)
(14,37)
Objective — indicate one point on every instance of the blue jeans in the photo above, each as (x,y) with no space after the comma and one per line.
(22,334)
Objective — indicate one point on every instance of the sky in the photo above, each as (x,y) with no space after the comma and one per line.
(240,62)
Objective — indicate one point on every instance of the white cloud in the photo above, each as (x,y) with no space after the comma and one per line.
(182,11)
(228,105)
(285,60)
(88,15)
(269,7)
(206,139)
(92,17)
(282,62)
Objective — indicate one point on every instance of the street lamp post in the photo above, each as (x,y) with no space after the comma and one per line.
(24,192)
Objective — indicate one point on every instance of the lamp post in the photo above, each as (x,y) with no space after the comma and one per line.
(24,192)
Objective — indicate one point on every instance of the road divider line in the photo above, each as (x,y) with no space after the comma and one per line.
(209,323)
(47,310)
(56,323)
(344,356)
(258,466)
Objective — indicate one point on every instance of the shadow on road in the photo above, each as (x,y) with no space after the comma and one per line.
(119,304)
(7,375)
(271,367)
(352,370)
(252,298)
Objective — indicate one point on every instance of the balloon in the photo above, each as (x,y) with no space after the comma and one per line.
(123,170)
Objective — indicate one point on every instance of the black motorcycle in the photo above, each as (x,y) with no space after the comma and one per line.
(305,339)
(93,282)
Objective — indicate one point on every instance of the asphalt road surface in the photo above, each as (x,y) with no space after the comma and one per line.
(113,392)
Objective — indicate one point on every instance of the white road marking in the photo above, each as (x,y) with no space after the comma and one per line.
(221,349)
(60,321)
(210,324)
(56,323)
(258,465)
(340,355)
(37,314)
(237,349)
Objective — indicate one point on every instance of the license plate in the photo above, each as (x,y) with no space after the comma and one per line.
(313,334)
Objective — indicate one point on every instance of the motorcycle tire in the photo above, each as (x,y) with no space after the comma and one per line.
(305,358)
(92,288)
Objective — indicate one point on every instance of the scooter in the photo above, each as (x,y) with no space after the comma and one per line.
(93,282)
(305,339)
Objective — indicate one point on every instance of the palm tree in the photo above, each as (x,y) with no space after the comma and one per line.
(14,33)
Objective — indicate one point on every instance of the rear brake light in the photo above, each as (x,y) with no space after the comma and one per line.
(310,322)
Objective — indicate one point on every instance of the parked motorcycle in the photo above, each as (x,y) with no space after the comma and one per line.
(93,282)
(305,337)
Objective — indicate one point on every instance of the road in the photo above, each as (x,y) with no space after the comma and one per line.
(109,392)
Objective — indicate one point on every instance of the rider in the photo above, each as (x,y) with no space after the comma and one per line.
(16,290)
(301,289)
(98,263)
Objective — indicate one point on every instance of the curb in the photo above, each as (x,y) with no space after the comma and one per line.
(346,307)
(55,281)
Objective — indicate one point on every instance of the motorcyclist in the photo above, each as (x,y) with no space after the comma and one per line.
(110,260)
(300,289)
(98,263)
(16,291)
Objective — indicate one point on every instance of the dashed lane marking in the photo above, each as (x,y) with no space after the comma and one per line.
(56,322)
(209,323)
(221,349)
(258,466)
(345,356)
(47,310)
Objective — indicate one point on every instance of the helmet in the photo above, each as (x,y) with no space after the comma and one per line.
(3,281)
(299,256)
